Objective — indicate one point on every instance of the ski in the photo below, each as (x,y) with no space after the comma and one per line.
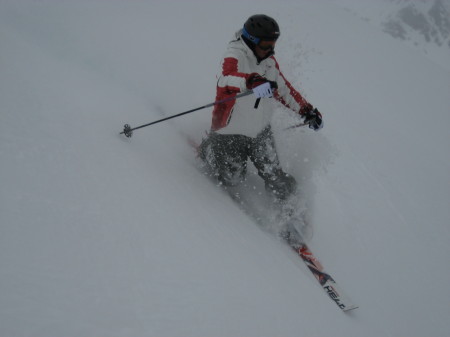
(328,284)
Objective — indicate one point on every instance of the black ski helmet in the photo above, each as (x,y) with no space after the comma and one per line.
(260,27)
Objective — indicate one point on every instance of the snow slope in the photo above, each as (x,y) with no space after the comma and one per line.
(106,236)
(424,25)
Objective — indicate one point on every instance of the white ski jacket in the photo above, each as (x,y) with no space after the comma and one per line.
(239,116)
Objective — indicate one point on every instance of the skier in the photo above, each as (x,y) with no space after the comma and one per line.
(240,128)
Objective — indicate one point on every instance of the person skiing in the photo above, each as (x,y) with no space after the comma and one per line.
(240,128)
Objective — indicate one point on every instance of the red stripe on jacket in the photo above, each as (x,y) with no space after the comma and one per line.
(222,112)
(294,93)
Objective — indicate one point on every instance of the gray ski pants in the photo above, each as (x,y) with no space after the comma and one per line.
(226,157)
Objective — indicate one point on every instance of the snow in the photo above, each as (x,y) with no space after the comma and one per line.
(424,25)
(106,236)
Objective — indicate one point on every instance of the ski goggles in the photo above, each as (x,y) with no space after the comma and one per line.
(267,45)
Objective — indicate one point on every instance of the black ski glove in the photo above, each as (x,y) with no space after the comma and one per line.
(253,80)
(312,117)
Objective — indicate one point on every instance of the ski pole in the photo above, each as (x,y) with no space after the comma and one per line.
(128,130)
(296,126)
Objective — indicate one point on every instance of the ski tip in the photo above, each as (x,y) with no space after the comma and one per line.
(350,308)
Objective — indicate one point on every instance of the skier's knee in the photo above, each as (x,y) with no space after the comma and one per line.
(281,185)
(223,161)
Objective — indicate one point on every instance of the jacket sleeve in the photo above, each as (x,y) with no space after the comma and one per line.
(231,80)
(286,93)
